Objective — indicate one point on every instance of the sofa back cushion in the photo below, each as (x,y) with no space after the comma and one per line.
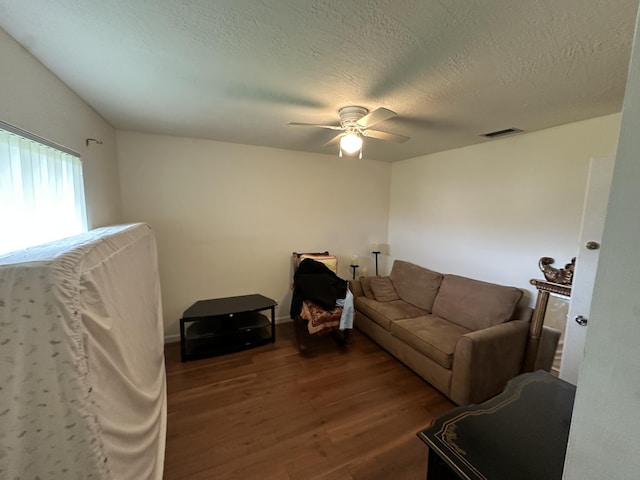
(365,282)
(474,304)
(415,284)
(383,289)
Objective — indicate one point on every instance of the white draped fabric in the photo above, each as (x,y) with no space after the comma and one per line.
(41,193)
(82,378)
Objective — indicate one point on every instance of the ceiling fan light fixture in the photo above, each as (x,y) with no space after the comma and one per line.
(351,143)
(355,123)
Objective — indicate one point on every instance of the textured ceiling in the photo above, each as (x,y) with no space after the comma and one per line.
(239,70)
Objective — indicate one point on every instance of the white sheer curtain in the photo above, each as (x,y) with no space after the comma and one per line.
(41,193)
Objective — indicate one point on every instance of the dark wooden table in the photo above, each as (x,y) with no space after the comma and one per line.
(520,434)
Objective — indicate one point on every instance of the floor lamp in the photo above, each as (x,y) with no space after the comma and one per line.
(376,253)
(354,265)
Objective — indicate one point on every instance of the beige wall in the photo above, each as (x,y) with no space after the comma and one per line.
(490,211)
(228,216)
(34,99)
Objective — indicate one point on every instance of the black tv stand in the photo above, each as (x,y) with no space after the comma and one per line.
(224,325)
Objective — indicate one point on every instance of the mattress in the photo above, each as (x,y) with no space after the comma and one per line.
(82,377)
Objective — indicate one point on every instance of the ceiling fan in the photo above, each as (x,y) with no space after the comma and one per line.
(356,123)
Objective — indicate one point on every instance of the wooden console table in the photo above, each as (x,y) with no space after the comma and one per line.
(520,434)
(537,321)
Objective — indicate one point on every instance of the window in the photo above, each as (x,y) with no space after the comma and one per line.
(41,191)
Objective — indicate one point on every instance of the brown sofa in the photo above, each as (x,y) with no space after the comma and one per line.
(465,337)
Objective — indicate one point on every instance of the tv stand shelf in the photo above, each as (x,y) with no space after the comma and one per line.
(225,325)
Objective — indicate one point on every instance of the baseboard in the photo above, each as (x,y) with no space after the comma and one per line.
(173,338)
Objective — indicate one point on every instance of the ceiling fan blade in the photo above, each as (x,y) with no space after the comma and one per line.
(385,136)
(334,141)
(330,127)
(378,115)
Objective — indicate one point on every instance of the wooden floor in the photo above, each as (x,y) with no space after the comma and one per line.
(270,413)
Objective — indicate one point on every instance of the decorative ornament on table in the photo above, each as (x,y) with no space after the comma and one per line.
(561,276)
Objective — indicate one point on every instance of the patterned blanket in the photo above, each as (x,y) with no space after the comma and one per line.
(319,320)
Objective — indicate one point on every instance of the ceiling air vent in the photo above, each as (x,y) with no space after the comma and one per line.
(502,133)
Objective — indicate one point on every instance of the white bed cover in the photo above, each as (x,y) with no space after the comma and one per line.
(82,377)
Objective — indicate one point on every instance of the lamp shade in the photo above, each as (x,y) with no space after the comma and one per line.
(351,143)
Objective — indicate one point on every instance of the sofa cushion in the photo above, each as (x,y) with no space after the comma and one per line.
(356,287)
(366,287)
(430,335)
(415,284)
(383,290)
(384,313)
(474,304)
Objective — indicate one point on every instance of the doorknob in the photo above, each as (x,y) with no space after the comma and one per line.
(581,320)
(592,245)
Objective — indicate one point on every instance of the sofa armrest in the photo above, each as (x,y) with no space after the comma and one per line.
(356,287)
(485,360)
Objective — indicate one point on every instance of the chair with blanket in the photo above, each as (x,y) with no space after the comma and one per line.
(321,302)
